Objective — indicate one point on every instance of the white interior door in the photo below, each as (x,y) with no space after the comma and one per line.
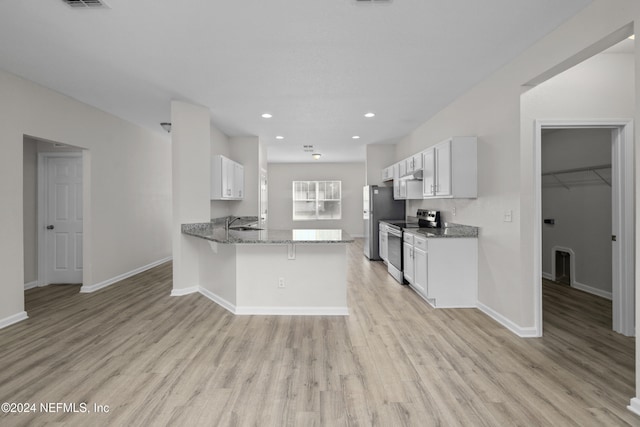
(63,219)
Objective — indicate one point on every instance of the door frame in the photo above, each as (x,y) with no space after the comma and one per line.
(623,226)
(264,199)
(43,156)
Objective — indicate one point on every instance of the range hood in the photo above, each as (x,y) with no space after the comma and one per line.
(417,176)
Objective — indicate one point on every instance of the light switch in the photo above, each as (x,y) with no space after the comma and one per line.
(508,215)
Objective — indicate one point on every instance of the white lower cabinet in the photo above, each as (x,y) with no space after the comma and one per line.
(382,242)
(420,265)
(407,257)
(444,271)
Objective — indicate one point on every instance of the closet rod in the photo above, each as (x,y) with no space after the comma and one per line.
(584,169)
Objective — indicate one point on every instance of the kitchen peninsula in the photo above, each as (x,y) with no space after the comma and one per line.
(277,272)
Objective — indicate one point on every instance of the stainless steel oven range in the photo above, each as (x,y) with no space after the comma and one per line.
(426,218)
(394,246)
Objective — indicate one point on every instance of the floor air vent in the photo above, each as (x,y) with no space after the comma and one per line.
(93,4)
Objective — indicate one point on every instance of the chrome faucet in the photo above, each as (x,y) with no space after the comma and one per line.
(228,221)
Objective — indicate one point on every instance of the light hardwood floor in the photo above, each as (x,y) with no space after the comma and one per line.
(162,360)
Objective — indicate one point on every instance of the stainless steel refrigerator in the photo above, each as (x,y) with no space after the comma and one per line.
(378,204)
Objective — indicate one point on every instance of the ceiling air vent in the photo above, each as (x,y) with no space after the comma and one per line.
(92,4)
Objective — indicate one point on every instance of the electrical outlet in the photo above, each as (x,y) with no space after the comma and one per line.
(281,282)
(453,212)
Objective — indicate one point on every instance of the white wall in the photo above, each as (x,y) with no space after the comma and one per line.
(491,111)
(246,151)
(191,186)
(379,156)
(281,177)
(582,213)
(129,208)
(29,212)
(249,152)
(219,145)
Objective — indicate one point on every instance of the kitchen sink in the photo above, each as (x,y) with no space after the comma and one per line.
(244,228)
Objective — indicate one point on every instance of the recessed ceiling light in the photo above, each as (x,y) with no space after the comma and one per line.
(632,37)
(355,137)
(266,116)
(369,115)
(279,137)
(316,156)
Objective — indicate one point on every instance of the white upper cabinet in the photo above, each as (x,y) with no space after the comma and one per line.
(451,169)
(227,179)
(396,181)
(238,181)
(387,173)
(414,163)
(428,172)
(443,168)
(402,168)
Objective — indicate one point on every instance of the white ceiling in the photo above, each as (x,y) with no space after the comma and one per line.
(317,66)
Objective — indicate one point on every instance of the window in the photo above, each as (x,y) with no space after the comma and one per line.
(317,200)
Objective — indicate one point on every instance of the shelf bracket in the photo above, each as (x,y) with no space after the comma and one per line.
(560,181)
(602,178)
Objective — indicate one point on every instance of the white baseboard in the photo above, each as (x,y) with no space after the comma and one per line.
(31,285)
(516,329)
(634,406)
(13,319)
(592,290)
(294,311)
(85,289)
(275,311)
(218,300)
(583,287)
(184,291)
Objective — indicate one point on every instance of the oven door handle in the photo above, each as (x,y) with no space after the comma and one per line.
(394,232)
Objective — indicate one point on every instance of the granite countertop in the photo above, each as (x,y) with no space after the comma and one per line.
(217,233)
(450,230)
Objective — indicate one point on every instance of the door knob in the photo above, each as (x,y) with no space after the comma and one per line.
(49,227)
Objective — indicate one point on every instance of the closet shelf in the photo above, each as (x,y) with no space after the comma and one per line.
(595,169)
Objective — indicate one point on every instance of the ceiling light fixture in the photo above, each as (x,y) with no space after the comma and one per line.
(279,137)
(316,156)
(632,37)
(166,126)
(369,115)
(355,137)
(266,116)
